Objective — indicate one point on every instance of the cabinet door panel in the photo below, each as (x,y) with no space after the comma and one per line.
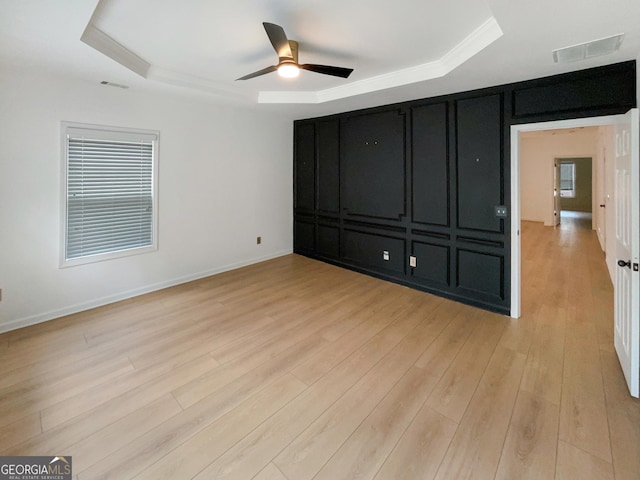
(430,180)
(373,165)
(305,166)
(479,163)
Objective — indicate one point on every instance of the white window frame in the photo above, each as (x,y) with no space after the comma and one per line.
(568,192)
(104,132)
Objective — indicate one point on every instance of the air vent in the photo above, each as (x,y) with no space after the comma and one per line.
(111,84)
(595,48)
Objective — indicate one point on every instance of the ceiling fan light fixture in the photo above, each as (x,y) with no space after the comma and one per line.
(288,70)
(288,66)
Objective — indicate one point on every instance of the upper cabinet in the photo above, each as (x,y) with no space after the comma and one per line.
(373,165)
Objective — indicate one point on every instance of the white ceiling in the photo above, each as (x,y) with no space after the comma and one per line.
(560,131)
(199,47)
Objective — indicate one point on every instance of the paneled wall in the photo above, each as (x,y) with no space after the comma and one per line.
(418,193)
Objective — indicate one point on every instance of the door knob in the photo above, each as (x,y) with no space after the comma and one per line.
(622,263)
(602,205)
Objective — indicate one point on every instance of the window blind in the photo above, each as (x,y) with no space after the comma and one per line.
(567,176)
(109,192)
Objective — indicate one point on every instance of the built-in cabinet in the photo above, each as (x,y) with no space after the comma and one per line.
(418,193)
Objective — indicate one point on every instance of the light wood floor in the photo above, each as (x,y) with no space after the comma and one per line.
(297,370)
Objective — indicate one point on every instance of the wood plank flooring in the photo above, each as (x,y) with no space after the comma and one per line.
(296,370)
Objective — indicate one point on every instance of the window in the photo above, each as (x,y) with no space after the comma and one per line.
(109,198)
(568,179)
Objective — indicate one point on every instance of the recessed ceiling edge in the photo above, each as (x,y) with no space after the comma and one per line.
(100,41)
(483,36)
(472,44)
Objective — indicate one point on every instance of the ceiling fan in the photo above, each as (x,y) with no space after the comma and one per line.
(288,65)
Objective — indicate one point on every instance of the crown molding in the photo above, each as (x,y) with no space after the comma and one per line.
(100,41)
(472,44)
(171,77)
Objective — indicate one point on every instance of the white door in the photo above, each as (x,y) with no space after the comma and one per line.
(556,192)
(627,281)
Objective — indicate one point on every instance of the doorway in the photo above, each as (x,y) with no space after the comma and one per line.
(575,189)
(559,172)
(626,251)
(521,195)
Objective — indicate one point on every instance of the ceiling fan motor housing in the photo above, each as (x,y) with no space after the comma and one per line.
(288,65)
(294,50)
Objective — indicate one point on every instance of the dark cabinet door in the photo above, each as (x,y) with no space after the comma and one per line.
(479,163)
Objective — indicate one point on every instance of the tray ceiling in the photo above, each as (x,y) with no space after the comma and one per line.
(399,50)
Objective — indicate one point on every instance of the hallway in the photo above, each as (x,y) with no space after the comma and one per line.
(580,220)
(568,294)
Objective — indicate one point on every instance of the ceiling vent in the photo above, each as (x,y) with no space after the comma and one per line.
(595,48)
(113,84)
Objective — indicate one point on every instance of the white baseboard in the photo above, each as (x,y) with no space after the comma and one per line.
(98,302)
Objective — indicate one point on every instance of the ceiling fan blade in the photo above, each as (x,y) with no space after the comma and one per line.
(328,70)
(264,71)
(279,40)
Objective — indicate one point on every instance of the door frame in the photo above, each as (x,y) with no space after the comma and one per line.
(590,156)
(516,252)
(557,187)
(601,199)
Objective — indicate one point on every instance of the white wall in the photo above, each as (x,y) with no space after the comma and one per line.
(608,167)
(601,187)
(225,176)
(537,153)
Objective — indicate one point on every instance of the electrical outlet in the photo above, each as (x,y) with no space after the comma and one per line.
(500,210)
(258,240)
(413,261)
(385,255)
